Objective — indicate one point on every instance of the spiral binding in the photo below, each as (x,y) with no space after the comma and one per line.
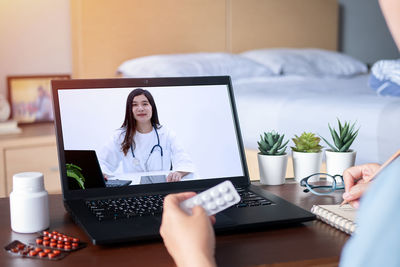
(334,220)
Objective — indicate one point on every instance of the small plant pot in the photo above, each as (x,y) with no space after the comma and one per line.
(272,169)
(337,162)
(305,164)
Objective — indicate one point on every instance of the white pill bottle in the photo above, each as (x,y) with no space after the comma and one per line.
(29,204)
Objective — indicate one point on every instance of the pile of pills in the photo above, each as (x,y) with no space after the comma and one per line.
(213,200)
(49,245)
(58,240)
(18,248)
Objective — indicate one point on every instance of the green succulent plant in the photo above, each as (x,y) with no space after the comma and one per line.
(307,142)
(74,172)
(271,144)
(342,140)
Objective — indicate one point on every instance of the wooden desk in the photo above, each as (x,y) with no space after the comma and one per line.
(309,244)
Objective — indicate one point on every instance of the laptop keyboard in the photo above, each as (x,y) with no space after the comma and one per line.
(130,207)
(119,208)
(249,199)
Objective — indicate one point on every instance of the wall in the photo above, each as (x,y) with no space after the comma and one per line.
(35,38)
(363,31)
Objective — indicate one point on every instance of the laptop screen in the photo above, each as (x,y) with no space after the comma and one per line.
(149,134)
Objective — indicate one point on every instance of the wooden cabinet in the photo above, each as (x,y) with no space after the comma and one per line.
(33,150)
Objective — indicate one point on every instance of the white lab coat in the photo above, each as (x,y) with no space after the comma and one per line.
(112,159)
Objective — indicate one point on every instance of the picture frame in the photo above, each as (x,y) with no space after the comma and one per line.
(30,97)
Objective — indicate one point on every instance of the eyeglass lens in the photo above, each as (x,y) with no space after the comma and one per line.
(323,183)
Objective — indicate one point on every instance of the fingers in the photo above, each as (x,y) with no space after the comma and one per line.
(352,175)
(356,191)
(174,177)
(175,199)
(200,211)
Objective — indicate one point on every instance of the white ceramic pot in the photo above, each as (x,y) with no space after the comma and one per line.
(272,169)
(305,164)
(337,162)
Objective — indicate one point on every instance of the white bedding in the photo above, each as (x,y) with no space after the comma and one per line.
(294,104)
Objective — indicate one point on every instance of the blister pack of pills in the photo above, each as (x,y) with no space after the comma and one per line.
(59,241)
(213,200)
(20,249)
(48,245)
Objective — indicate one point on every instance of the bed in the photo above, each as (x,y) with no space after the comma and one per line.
(107,36)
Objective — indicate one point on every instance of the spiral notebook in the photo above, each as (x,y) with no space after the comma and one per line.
(342,218)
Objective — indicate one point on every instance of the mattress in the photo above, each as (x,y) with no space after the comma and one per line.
(293,104)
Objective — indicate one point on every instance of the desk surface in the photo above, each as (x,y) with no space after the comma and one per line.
(306,244)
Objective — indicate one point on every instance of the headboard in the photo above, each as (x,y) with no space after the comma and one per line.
(105,33)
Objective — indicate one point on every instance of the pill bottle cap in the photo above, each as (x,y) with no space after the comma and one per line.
(28,182)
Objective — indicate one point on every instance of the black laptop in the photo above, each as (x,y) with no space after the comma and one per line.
(201,113)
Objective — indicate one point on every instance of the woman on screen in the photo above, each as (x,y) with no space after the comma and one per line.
(142,144)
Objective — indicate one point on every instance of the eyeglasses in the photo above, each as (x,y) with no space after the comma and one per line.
(322,183)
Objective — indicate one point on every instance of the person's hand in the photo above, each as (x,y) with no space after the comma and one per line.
(189,239)
(175,176)
(356,182)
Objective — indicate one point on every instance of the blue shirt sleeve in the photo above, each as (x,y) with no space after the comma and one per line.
(376,241)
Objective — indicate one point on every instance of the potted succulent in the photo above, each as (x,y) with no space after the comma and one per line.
(340,157)
(307,155)
(272,158)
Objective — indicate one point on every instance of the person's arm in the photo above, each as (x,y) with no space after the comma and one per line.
(176,176)
(189,239)
(391,11)
(357,180)
(181,161)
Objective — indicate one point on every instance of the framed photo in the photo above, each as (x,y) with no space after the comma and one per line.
(30,97)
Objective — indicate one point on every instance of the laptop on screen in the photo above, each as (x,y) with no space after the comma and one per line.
(162,135)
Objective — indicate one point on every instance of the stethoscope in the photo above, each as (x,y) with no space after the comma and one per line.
(137,161)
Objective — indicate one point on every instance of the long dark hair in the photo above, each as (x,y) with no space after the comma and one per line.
(129,124)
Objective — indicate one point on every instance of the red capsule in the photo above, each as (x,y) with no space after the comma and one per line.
(66,247)
(33,253)
(75,245)
(47,250)
(60,242)
(20,246)
(42,254)
(46,238)
(53,245)
(14,250)
(60,245)
(51,255)
(39,241)
(45,232)
(56,252)
(38,249)
(75,240)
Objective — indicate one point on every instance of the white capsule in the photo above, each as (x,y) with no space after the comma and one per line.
(197,201)
(228,197)
(220,202)
(205,197)
(223,189)
(215,193)
(211,206)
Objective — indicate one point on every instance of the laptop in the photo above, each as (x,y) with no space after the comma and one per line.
(201,114)
(88,165)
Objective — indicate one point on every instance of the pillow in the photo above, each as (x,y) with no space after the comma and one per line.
(307,62)
(197,64)
(385,77)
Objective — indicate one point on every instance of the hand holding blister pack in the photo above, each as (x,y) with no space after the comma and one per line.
(213,200)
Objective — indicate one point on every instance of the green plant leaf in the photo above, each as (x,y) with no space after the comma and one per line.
(329,144)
